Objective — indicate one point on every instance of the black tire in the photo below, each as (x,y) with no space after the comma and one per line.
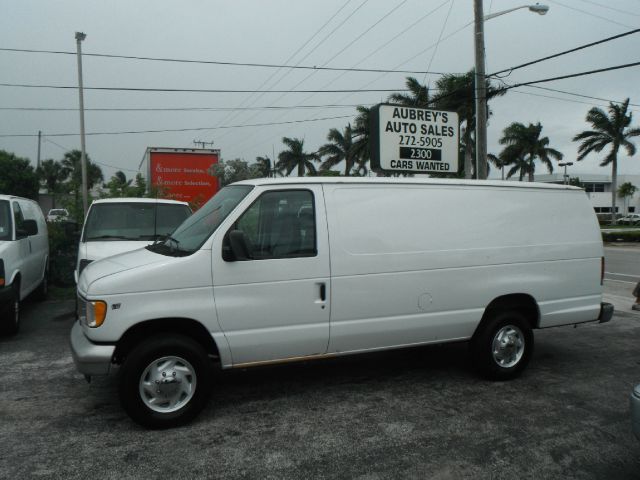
(142,357)
(505,357)
(43,289)
(10,316)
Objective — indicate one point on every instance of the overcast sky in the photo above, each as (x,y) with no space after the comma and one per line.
(373,34)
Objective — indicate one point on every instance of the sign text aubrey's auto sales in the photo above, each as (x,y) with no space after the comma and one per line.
(416,140)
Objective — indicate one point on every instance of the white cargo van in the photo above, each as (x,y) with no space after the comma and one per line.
(275,270)
(116,225)
(24,257)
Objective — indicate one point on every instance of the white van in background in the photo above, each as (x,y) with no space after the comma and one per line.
(24,257)
(278,270)
(116,225)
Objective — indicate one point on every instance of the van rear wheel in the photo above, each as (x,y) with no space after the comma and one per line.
(165,381)
(503,346)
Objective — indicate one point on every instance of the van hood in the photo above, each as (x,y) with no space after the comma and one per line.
(95,250)
(144,271)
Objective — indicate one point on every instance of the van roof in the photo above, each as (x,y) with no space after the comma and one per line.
(402,181)
(139,200)
(9,197)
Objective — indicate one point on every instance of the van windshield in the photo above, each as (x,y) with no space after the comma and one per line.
(190,236)
(5,220)
(133,221)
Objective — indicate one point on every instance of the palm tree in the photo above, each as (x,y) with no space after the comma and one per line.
(418,95)
(264,166)
(612,129)
(625,191)
(119,185)
(53,174)
(457,93)
(360,133)
(339,149)
(71,162)
(524,145)
(296,157)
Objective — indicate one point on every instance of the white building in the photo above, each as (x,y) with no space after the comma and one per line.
(598,188)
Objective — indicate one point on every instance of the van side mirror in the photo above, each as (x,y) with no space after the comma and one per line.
(28,228)
(239,247)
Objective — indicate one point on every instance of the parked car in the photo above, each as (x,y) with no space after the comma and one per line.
(24,257)
(116,225)
(630,219)
(279,270)
(57,214)
(635,411)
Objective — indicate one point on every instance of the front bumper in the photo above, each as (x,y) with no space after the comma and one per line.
(635,411)
(90,359)
(606,312)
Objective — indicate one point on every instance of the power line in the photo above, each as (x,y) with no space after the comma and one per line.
(579,95)
(191,90)
(590,14)
(553,97)
(581,47)
(180,109)
(435,50)
(626,12)
(573,75)
(213,62)
(130,132)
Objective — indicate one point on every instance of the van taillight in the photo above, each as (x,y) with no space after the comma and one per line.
(602,271)
(2,282)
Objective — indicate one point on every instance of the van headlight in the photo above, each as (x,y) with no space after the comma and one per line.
(96,313)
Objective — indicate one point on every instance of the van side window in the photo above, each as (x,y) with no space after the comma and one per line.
(18,218)
(280,224)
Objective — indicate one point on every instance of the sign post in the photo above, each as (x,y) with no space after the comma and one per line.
(414,140)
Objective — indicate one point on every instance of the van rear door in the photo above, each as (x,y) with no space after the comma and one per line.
(274,303)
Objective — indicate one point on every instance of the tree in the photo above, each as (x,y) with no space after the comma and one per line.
(627,190)
(339,149)
(229,171)
(360,134)
(457,93)
(53,174)
(523,146)
(418,95)
(265,167)
(296,157)
(139,188)
(608,130)
(17,176)
(119,186)
(71,161)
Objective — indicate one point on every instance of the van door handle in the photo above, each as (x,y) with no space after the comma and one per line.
(323,291)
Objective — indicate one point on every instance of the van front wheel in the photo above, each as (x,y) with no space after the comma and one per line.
(165,381)
(502,348)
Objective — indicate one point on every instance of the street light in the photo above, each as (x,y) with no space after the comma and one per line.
(565,176)
(83,153)
(481,97)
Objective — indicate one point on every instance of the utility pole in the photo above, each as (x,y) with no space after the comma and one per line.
(83,154)
(39,142)
(481,93)
(202,143)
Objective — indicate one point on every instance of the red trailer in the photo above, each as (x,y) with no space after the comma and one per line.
(184,174)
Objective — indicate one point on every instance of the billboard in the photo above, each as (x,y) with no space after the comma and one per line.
(413,140)
(183,174)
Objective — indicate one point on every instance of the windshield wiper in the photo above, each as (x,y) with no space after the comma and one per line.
(110,237)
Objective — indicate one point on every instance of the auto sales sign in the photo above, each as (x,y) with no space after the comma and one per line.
(413,140)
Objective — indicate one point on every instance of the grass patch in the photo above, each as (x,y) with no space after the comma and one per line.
(621,236)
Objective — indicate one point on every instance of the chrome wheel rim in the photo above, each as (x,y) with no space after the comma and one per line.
(507,347)
(167,384)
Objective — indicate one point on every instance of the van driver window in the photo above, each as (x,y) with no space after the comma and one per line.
(280,224)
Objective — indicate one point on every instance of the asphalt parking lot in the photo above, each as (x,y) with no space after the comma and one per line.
(419,413)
